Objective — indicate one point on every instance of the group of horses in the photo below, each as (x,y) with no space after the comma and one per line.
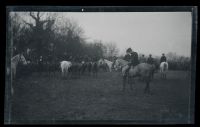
(91,68)
(76,69)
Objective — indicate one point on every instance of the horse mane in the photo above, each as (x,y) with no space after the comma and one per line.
(108,61)
(121,59)
(15,57)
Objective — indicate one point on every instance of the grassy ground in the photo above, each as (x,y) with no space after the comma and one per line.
(40,97)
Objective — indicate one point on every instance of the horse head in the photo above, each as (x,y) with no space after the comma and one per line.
(101,61)
(22,59)
(117,64)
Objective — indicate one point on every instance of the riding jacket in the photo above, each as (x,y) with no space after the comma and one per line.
(163,59)
(127,57)
(150,60)
(134,58)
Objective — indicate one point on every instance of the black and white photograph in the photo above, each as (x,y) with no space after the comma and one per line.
(79,66)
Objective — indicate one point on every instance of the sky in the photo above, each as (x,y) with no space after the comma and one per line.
(145,32)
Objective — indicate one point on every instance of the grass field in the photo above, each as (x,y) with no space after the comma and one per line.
(40,97)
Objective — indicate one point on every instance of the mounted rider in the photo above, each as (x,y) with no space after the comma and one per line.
(132,58)
(150,60)
(163,58)
(143,59)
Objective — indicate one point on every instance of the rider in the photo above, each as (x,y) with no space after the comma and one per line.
(143,59)
(150,60)
(127,57)
(131,57)
(134,58)
(163,58)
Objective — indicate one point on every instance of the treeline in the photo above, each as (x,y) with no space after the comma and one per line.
(57,38)
(175,62)
(54,37)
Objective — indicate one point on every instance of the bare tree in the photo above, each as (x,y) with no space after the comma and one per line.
(111,49)
(42,33)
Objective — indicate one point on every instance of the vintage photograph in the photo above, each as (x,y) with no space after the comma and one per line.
(99,66)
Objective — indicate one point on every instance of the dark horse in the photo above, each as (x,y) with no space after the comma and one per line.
(94,69)
(52,68)
(89,67)
(83,67)
(75,70)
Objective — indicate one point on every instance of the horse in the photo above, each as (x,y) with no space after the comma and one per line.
(75,69)
(19,58)
(65,65)
(89,67)
(143,70)
(163,69)
(102,65)
(94,69)
(83,67)
(52,68)
(107,62)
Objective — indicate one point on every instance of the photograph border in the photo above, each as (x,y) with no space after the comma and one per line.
(8,98)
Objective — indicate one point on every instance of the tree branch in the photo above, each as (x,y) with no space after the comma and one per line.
(31,25)
(44,21)
(32,16)
(38,15)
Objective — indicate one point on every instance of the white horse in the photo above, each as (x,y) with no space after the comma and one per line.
(19,58)
(65,65)
(121,64)
(143,70)
(163,69)
(107,62)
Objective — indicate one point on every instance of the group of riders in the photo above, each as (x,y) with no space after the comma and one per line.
(131,56)
(133,59)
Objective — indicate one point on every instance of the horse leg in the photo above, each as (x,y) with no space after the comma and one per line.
(147,88)
(124,82)
(62,73)
(130,82)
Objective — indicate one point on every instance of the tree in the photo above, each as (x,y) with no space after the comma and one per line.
(16,32)
(42,33)
(111,50)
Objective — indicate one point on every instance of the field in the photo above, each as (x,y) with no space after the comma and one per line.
(40,98)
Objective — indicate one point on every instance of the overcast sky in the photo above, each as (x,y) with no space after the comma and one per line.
(144,32)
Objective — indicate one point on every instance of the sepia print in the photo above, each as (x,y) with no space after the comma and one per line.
(100,66)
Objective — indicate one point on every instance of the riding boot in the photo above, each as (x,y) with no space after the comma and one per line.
(126,72)
(130,83)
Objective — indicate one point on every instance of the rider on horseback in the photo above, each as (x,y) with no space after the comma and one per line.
(150,60)
(163,58)
(132,58)
(128,55)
